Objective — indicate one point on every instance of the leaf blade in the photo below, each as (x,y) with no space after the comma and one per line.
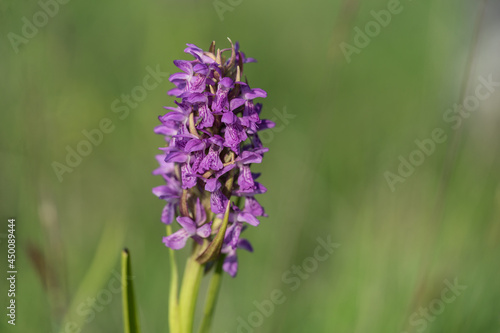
(130,321)
(213,250)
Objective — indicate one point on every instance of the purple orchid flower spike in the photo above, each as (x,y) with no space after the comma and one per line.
(212,141)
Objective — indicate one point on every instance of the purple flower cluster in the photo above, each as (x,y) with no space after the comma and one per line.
(212,141)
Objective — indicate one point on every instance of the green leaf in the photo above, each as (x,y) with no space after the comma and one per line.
(213,292)
(130,321)
(189,293)
(213,250)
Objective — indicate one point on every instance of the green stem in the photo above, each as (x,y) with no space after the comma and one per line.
(173,300)
(189,292)
(211,302)
(130,321)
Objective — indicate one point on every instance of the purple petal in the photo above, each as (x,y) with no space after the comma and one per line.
(177,240)
(205,230)
(164,167)
(206,115)
(194,145)
(258,189)
(245,245)
(201,69)
(236,103)
(188,224)
(265,124)
(198,53)
(227,82)
(233,136)
(211,161)
(255,93)
(176,156)
(178,76)
(218,202)
(200,213)
(216,139)
(165,130)
(253,207)
(194,98)
(228,117)
(188,179)
(211,184)
(173,116)
(184,66)
(231,265)
(167,215)
(248,218)
(221,103)
(197,158)
(197,84)
(175,92)
(233,236)
(164,192)
(245,179)
(248,157)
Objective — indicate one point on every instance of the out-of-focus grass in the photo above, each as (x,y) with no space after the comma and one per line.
(324,171)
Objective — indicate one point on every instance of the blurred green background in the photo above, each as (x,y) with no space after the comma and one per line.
(349,123)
